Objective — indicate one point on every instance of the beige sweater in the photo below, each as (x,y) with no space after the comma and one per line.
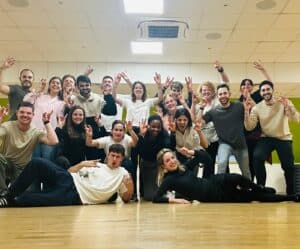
(273,119)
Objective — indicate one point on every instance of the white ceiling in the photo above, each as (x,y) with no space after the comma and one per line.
(100,31)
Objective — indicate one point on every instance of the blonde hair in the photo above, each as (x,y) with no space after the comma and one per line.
(208,84)
(160,164)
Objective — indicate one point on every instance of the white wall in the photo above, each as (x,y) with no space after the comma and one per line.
(281,72)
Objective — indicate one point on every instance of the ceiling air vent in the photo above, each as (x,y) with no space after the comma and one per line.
(163,29)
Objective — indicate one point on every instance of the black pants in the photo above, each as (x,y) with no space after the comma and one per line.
(237,188)
(284,149)
(58,182)
(193,163)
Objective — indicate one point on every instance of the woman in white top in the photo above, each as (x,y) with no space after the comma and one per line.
(138,108)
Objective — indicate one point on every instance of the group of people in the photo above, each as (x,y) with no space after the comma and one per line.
(68,145)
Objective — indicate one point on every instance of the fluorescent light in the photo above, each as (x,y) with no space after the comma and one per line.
(146,47)
(144,6)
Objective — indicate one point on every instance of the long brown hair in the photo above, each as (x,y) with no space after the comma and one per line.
(160,164)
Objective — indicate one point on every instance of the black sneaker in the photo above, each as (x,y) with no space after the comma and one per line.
(269,190)
(3,202)
(134,198)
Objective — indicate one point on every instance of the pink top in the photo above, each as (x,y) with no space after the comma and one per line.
(45,103)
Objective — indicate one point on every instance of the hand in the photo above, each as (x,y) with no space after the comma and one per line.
(168,82)
(189,83)
(157,79)
(61,121)
(198,126)
(125,77)
(247,106)
(117,79)
(128,125)
(8,62)
(258,65)
(217,65)
(98,120)
(143,127)
(179,201)
(88,131)
(171,125)
(46,116)
(43,85)
(89,70)
(3,112)
(186,152)
(195,99)
(284,101)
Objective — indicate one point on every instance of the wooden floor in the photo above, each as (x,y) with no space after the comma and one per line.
(155,226)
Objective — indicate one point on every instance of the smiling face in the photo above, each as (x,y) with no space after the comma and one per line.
(26,78)
(118,132)
(24,115)
(54,86)
(84,89)
(68,84)
(266,91)
(223,96)
(77,116)
(170,162)
(170,103)
(155,127)
(207,93)
(138,91)
(106,86)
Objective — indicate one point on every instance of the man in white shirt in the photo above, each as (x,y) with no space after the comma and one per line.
(88,182)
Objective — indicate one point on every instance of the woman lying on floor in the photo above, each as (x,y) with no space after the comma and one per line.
(217,188)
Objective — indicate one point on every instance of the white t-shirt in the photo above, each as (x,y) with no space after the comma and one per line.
(97,184)
(105,142)
(138,110)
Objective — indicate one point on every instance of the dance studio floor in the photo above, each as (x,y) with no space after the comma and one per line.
(155,226)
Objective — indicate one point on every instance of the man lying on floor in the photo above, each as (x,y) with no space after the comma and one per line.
(88,182)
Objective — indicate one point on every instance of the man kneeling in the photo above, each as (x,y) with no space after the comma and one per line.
(88,182)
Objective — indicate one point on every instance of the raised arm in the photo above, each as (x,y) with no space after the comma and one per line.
(8,62)
(259,66)
(89,141)
(82,164)
(132,134)
(125,77)
(116,84)
(157,79)
(220,69)
(50,137)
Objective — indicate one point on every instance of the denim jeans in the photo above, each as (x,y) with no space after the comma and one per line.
(241,156)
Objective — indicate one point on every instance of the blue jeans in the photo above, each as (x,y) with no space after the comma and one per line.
(44,151)
(241,156)
(61,189)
